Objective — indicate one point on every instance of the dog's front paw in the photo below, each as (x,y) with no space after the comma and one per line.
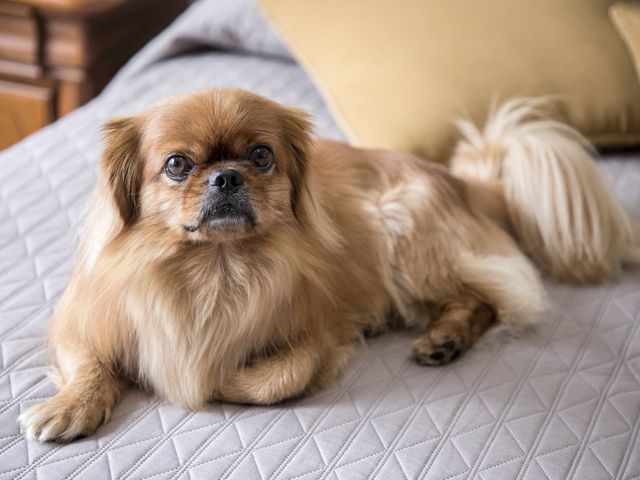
(62,418)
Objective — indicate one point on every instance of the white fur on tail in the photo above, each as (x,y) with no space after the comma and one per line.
(559,207)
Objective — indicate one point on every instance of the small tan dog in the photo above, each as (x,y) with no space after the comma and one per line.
(229,256)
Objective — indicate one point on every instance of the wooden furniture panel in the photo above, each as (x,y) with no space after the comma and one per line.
(19,38)
(63,52)
(24,108)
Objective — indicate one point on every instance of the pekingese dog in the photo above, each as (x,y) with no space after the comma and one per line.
(230,256)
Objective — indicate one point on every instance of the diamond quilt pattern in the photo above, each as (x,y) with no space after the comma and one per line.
(561,402)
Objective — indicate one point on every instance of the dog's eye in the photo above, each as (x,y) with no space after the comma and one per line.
(178,167)
(261,157)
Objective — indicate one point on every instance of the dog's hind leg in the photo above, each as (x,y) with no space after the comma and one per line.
(458,326)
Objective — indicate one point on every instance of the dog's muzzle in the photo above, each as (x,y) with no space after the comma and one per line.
(226,204)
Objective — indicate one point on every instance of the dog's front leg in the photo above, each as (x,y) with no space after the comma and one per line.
(286,374)
(85,401)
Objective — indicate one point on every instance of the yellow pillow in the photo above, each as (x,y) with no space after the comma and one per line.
(626,18)
(397,73)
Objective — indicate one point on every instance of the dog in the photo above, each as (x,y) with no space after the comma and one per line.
(228,255)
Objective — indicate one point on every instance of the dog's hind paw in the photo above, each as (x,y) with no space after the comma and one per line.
(425,352)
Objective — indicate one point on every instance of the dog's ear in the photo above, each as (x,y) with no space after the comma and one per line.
(296,128)
(121,165)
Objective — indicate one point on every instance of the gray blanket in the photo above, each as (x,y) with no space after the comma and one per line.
(560,402)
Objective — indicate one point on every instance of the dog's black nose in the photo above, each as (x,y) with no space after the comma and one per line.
(228,180)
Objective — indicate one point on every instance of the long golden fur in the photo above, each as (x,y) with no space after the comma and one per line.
(260,296)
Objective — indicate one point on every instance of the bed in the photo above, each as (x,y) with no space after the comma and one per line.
(560,402)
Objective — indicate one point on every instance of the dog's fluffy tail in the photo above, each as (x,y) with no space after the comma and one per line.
(558,206)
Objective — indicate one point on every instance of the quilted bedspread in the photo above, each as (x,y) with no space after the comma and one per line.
(561,402)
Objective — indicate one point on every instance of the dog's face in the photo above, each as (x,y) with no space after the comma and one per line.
(215,165)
